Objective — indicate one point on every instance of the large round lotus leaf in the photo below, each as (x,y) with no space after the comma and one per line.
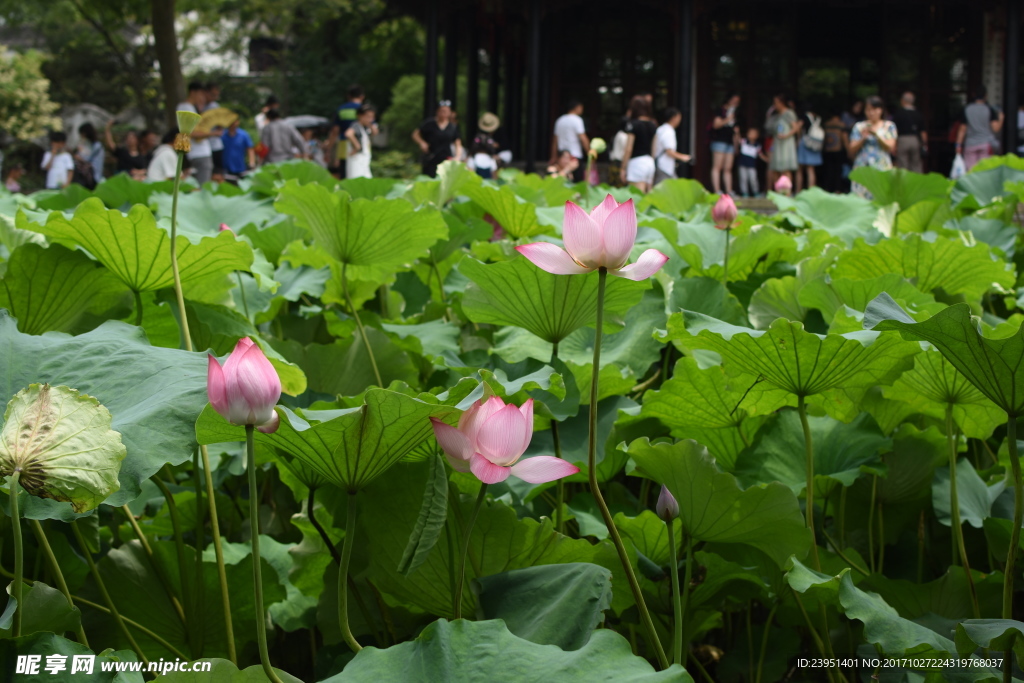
(61,442)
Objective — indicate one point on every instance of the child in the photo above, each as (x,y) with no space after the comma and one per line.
(565,166)
(58,163)
(13,176)
(357,163)
(750,152)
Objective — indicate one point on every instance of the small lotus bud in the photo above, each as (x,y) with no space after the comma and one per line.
(225,226)
(187,121)
(724,212)
(784,185)
(667,507)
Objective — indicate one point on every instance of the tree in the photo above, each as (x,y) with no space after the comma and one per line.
(166,40)
(25,107)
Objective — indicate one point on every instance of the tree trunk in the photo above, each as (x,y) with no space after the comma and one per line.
(165,41)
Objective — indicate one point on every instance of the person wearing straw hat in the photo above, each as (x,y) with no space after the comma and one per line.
(484,149)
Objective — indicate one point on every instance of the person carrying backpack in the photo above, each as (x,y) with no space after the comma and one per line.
(808,154)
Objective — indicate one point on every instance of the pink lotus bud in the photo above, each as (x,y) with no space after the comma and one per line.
(668,506)
(490,440)
(724,213)
(223,227)
(245,390)
(784,185)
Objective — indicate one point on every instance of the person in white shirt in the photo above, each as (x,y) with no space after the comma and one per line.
(58,162)
(571,136)
(666,152)
(201,156)
(165,160)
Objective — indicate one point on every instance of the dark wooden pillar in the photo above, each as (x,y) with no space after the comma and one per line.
(533,84)
(451,59)
(430,68)
(494,74)
(684,62)
(513,117)
(1011,91)
(472,80)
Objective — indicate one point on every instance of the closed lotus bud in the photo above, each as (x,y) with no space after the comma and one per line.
(784,185)
(724,212)
(598,145)
(245,390)
(667,507)
(225,226)
(187,121)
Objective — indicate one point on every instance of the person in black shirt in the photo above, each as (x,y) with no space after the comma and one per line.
(130,157)
(439,138)
(912,143)
(724,132)
(638,159)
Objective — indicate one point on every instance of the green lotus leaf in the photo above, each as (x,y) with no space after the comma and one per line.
(61,442)
(515,216)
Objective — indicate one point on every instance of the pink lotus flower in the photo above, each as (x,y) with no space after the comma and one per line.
(490,439)
(246,389)
(724,212)
(602,239)
(668,506)
(783,185)
(225,226)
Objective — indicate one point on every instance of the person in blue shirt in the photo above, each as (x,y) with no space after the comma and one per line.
(239,153)
(345,117)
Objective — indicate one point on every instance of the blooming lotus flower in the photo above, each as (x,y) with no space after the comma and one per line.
(490,439)
(602,239)
(668,506)
(783,185)
(724,212)
(245,390)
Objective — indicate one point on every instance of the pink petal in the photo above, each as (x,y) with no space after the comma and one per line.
(600,212)
(271,426)
(486,471)
(541,469)
(457,465)
(504,436)
(668,506)
(215,389)
(453,442)
(619,234)
(649,263)
(474,418)
(582,237)
(547,256)
(258,384)
(527,410)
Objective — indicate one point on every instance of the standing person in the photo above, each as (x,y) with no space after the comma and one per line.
(261,118)
(239,152)
(724,132)
(58,162)
(808,151)
(282,140)
(912,143)
(666,152)
(832,157)
(436,136)
(637,159)
(164,163)
(14,174)
(216,144)
(873,141)
(357,136)
(571,135)
(344,117)
(850,118)
(783,159)
(129,155)
(90,149)
(484,150)
(978,138)
(201,155)
(750,152)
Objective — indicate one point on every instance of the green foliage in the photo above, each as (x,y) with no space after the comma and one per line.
(26,111)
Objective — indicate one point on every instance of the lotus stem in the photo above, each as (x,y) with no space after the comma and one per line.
(346,558)
(179,543)
(157,567)
(560,486)
(959,547)
(257,571)
(58,575)
(138,308)
(1011,555)
(595,489)
(222,575)
(677,624)
(809,455)
(460,577)
(106,595)
(359,325)
(687,578)
(725,269)
(764,642)
(241,292)
(19,556)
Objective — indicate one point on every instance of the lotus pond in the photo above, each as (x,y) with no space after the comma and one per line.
(532,431)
